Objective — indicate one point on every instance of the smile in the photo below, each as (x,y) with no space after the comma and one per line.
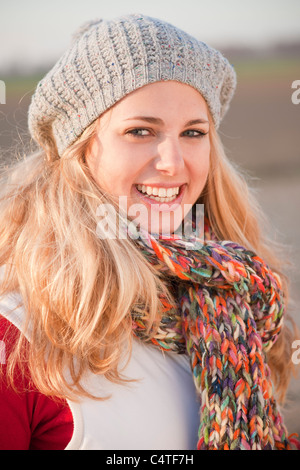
(159,194)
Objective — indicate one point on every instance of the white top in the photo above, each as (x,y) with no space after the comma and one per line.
(160,411)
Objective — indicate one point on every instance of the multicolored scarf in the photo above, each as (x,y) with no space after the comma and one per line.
(229,314)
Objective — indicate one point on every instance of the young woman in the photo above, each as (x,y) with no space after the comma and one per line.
(119,330)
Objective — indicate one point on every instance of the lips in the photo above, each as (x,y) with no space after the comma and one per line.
(153,195)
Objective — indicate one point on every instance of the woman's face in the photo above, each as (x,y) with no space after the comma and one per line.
(152,148)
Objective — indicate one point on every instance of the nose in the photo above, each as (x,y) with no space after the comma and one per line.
(169,159)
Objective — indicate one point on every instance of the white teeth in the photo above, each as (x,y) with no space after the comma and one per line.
(162,192)
(159,194)
(162,199)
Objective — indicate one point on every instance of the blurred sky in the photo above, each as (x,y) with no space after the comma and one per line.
(36,32)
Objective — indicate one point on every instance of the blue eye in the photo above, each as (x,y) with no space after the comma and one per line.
(198,133)
(136,132)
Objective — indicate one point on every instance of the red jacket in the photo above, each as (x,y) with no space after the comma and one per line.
(29,420)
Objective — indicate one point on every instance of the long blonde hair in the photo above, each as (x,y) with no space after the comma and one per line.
(79,289)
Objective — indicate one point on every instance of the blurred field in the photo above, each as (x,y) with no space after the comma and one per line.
(261,133)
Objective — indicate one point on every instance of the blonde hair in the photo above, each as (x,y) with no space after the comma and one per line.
(79,289)
(242,219)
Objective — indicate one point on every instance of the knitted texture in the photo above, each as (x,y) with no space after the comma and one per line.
(109,59)
(229,314)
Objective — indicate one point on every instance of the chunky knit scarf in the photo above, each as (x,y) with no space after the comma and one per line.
(229,314)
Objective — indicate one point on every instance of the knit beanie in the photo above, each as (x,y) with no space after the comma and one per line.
(109,59)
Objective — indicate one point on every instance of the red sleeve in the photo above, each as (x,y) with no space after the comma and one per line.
(29,420)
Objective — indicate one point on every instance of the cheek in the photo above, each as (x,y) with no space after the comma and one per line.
(125,163)
(201,166)
(115,172)
(205,167)
(110,163)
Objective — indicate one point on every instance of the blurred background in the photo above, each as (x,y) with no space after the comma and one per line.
(261,131)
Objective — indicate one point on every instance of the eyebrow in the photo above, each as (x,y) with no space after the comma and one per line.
(154,120)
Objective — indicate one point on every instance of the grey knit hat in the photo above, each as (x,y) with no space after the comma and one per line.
(109,59)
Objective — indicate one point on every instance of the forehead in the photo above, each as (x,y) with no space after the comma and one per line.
(170,98)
